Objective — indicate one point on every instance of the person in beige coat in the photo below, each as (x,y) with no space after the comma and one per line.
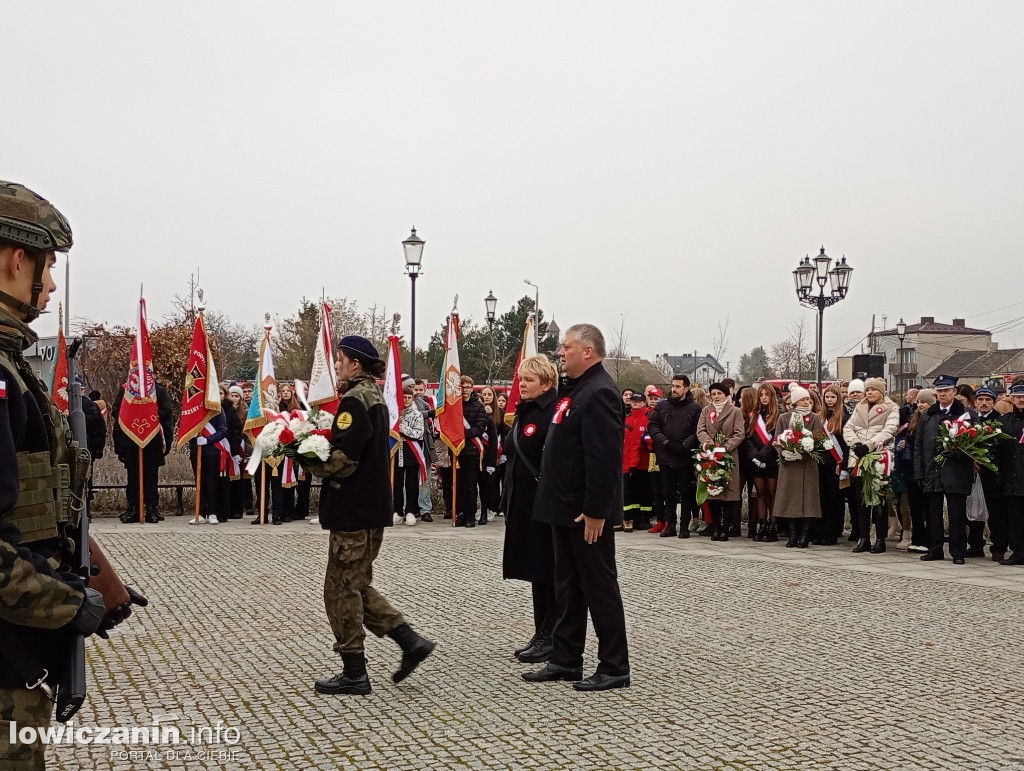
(796,497)
(872,426)
(722,418)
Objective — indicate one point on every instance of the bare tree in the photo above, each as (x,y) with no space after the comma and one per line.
(619,351)
(721,341)
(788,358)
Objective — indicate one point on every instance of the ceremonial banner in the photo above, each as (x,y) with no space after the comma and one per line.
(138,415)
(323,385)
(59,386)
(264,392)
(449,396)
(393,394)
(527,349)
(201,399)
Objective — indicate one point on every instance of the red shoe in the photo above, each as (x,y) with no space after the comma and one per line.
(659,527)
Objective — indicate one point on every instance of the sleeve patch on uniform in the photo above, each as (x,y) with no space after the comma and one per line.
(344,421)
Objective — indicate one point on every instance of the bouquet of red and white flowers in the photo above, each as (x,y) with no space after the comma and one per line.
(972,440)
(297,435)
(798,442)
(874,469)
(714,469)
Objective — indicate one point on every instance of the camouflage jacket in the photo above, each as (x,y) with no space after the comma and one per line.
(36,595)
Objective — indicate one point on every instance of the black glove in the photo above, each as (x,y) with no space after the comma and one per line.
(90,614)
(119,614)
(860,449)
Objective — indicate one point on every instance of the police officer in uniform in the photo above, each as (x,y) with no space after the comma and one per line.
(42,478)
(355,506)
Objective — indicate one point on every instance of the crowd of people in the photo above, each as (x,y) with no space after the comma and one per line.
(808,500)
(802,500)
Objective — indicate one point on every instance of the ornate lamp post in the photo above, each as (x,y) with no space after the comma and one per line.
(413,247)
(818,270)
(491,303)
(901,334)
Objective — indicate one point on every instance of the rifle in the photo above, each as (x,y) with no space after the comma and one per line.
(71,689)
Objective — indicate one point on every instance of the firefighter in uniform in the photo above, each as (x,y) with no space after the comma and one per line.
(355,506)
(43,476)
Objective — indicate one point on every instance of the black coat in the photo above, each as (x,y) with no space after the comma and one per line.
(1010,454)
(211,453)
(673,428)
(479,426)
(356,493)
(956,475)
(95,428)
(234,425)
(990,481)
(753,447)
(582,465)
(528,554)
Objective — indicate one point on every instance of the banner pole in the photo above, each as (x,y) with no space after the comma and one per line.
(199,478)
(263,492)
(142,517)
(455,488)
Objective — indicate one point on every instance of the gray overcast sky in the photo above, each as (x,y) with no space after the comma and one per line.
(667,160)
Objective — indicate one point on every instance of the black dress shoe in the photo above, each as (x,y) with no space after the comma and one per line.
(932,556)
(998,556)
(959,561)
(470,521)
(277,521)
(879,546)
(255,521)
(359,686)
(540,652)
(1013,560)
(426,518)
(552,672)
(151,519)
(976,551)
(684,533)
(127,518)
(533,641)
(600,682)
(669,533)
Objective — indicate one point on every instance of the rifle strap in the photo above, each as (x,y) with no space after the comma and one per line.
(22,660)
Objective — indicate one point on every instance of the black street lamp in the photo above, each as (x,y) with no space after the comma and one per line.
(413,247)
(901,334)
(491,303)
(817,270)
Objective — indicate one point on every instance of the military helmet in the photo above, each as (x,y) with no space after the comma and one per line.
(29,220)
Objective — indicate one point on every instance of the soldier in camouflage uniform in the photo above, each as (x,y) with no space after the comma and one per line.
(355,505)
(43,603)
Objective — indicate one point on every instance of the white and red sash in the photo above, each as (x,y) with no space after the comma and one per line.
(837,456)
(416,448)
(885,460)
(762,431)
(228,465)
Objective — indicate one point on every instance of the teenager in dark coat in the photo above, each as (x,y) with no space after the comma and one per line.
(529,555)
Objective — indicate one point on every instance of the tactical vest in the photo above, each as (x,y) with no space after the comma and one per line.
(52,485)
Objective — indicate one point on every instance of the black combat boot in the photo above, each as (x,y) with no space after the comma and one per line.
(862,545)
(415,648)
(352,680)
(772,532)
(483,517)
(761,533)
(727,524)
(670,528)
(716,526)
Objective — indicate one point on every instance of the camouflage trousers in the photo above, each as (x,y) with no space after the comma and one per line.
(26,708)
(350,600)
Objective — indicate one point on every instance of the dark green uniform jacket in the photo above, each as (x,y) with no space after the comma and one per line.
(356,492)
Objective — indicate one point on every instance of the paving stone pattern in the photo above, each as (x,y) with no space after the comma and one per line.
(744,656)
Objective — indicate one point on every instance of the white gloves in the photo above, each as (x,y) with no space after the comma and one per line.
(791,456)
(759,463)
(490,469)
(502,459)
(201,441)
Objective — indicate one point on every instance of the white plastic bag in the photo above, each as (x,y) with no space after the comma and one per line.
(977,511)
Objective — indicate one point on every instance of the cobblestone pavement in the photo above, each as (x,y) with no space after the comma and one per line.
(744,655)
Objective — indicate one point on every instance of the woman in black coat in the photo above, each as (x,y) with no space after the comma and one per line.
(529,555)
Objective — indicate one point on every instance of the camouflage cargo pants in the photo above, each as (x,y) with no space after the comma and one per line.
(350,600)
(26,708)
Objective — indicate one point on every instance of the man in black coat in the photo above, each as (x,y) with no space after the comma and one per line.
(580,496)
(995,503)
(481,444)
(673,428)
(1011,474)
(949,481)
(153,455)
